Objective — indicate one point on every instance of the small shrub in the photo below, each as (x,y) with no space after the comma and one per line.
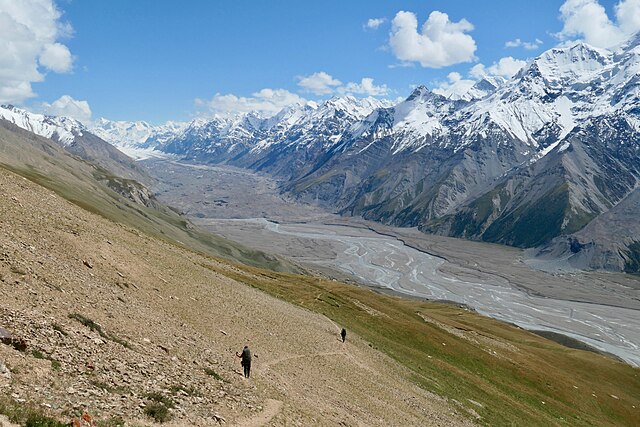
(160,398)
(37,354)
(55,365)
(213,373)
(157,411)
(43,421)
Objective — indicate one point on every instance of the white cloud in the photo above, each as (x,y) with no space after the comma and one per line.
(402,65)
(365,87)
(319,83)
(506,67)
(374,23)
(322,83)
(588,20)
(628,14)
(478,71)
(527,45)
(455,86)
(454,77)
(29,46)
(439,43)
(67,106)
(266,101)
(56,57)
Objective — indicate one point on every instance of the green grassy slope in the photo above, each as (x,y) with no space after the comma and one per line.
(505,375)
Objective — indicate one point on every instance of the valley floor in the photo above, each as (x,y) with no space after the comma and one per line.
(602,310)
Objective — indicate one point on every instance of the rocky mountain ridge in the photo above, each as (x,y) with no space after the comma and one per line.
(519,162)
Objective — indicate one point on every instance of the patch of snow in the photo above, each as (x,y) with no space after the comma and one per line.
(564,147)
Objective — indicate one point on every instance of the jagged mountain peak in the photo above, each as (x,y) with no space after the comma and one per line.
(491,155)
(631,44)
(59,128)
(358,107)
(489,83)
(421,94)
(578,62)
(133,134)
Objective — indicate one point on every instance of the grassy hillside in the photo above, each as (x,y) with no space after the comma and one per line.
(506,375)
(92,188)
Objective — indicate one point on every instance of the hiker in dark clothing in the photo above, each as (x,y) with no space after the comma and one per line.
(245,360)
(343,334)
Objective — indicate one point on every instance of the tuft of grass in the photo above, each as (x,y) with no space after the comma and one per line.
(161,398)
(212,373)
(111,422)
(97,328)
(190,391)
(158,412)
(55,365)
(58,328)
(109,388)
(87,322)
(27,415)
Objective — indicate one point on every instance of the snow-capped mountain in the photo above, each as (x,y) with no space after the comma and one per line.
(301,131)
(124,134)
(520,162)
(76,139)
(61,129)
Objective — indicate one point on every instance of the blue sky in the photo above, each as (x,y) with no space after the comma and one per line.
(166,60)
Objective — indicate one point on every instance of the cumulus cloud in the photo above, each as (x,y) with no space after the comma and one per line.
(628,15)
(455,85)
(588,20)
(439,43)
(506,67)
(56,57)
(322,83)
(67,106)
(266,101)
(527,45)
(374,23)
(30,33)
(319,83)
(365,87)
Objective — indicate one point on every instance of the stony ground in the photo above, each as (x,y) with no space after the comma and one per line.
(116,323)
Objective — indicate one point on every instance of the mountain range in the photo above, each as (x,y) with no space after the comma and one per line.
(548,159)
